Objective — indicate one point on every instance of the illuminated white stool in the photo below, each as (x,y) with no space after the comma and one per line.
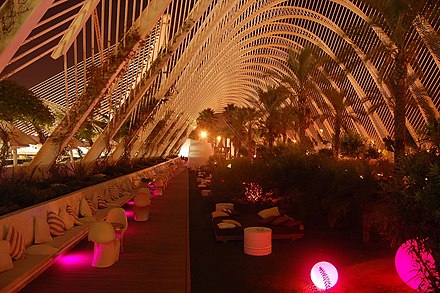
(257,241)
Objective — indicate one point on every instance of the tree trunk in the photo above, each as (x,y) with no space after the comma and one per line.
(5,147)
(302,119)
(400,107)
(337,136)
(302,128)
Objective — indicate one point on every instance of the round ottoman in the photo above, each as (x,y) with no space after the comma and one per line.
(257,241)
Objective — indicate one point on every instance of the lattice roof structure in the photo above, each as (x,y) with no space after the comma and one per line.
(164,61)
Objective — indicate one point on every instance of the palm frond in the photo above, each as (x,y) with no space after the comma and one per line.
(428,35)
(420,97)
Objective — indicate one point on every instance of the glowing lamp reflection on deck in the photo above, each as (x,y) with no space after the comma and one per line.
(75,259)
(408,267)
(324,275)
(129,213)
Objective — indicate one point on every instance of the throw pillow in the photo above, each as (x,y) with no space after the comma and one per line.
(102,204)
(107,195)
(42,231)
(84,209)
(268,220)
(5,258)
(56,224)
(72,212)
(230,212)
(237,224)
(266,213)
(121,192)
(68,220)
(217,214)
(16,242)
(91,205)
(114,194)
(223,225)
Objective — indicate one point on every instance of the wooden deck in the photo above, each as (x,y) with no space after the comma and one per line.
(155,258)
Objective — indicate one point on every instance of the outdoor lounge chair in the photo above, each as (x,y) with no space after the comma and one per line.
(106,244)
(283,226)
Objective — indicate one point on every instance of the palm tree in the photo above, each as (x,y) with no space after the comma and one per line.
(207,120)
(269,105)
(231,129)
(337,116)
(251,117)
(303,66)
(240,122)
(400,18)
(287,115)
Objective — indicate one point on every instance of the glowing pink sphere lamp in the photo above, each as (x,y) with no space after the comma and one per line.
(324,275)
(407,266)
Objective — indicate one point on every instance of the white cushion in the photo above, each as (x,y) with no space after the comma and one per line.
(224,225)
(42,231)
(269,213)
(41,249)
(84,208)
(230,221)
(216,214)
(107,195)
(5,259)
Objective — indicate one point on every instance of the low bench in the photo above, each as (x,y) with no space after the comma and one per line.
(31,266)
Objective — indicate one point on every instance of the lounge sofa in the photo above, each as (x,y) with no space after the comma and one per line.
(229,224)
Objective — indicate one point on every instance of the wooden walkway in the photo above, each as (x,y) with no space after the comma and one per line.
(155,258)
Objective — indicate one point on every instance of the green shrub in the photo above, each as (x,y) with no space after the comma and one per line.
(412,210)
(21,191)
(318,189)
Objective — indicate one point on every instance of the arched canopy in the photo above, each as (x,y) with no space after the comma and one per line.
(164,61)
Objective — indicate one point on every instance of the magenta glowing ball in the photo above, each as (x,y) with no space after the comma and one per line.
(324,275)
(407,266)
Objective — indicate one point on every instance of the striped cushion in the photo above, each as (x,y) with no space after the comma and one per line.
(72,212)
(16,240)
(56,224)
(91,205)
(67,219)
(114,192)
(102,204)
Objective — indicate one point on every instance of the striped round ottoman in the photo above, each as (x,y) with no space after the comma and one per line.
(257,241)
